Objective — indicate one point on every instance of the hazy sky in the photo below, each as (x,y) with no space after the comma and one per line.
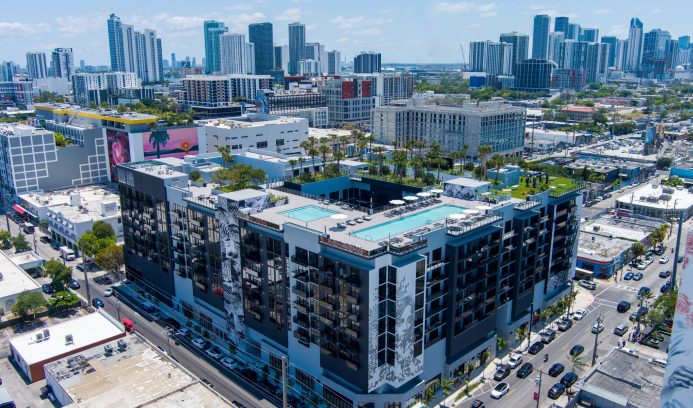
(402,30)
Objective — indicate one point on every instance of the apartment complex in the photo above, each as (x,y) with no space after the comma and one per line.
(135,51)
(494,124)
(373,314)
(208,90)
(349,100)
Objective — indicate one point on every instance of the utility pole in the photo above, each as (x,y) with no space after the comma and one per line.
(531,318)
(570,301)
(676,253)
(596,337)
(284,396)
(538,382)
(86,279)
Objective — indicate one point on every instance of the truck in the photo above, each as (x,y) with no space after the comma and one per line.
(66,253)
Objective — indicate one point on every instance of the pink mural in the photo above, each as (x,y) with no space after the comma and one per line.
(118,150)
(176,142)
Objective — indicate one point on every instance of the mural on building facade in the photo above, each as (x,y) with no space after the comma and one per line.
(176,142)
(462,192)
(227,214)
(118,150)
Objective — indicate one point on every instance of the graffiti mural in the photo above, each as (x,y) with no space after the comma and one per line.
(176,142)
(455,191)
(118,150)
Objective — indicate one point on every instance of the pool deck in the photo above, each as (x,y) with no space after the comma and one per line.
(329,225)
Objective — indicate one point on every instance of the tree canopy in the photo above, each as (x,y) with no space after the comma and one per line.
(60,274)
(28,303)
(20,243)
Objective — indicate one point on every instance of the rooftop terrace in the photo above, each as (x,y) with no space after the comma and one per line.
(557,187)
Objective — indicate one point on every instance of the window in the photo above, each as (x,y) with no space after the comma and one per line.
(279,142)
(262,145)
(305,380)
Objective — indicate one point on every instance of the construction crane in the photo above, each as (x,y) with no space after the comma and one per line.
(463,63)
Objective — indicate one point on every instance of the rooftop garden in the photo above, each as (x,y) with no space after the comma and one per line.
(530,185)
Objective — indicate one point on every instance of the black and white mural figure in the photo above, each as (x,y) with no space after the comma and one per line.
(227,214)
(462,192)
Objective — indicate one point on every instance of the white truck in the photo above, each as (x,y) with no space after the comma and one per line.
(66,253)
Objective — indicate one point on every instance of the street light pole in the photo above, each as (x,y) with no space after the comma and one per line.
(596,337)
(285,403)
(531,318)
(676,254)
(538,381)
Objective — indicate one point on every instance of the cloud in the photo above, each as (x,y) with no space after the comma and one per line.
(464,7)
(489,14)
(619,30)
(168,22)
(72,26)
(345,23)
(538,6)
(656,11)
(240,21)
(602,11)
(367,31)
(292,14)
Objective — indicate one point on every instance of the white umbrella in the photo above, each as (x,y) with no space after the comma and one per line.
(424,194)
(410,198)
(470,212)
(437,191)
(483,207)
(339,216)
(396,202)
(457,216)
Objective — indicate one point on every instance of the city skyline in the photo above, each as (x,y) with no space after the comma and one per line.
(423,33)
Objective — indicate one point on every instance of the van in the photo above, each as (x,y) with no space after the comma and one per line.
(28,228)
(588,284)
(147,307)
(620,330)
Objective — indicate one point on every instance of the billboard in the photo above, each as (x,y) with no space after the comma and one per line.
(118,150)
(174,142)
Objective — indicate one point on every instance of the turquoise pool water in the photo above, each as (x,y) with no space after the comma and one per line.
(308,213)
(410,222)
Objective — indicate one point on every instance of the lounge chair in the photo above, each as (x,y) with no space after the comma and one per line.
(367,217)
(351,222)
(358,219)
(341,225)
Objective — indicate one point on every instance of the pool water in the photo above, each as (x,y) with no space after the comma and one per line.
(410,222)
(308,213)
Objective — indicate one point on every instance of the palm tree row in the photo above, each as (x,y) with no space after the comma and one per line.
(333,148)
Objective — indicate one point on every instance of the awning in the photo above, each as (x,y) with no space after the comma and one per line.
(19,209)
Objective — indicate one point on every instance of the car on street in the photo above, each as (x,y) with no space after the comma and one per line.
(638,276)
(547,335)
(501,372)
(665,274)
(679,259)
(229,363)
(73,284)
(183,332)
(47,288)
(525,370)
(659,251)
(642,311)
(515,360)
(214,352)
(597,328)
(588,284)
(564,324)
(569,379)
(556,391)
(623,306)
(641,266)
(556,369)
(621,329)
(97,303)
(577,349)
(200,343)
(108,292)
(536,347)
(477,403)
(579,314)
(45,239)
(643,291)
(500,390)
(665,287)
(628,276)
(173,323)
(664,259)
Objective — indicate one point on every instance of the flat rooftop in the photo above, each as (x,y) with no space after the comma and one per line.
(249,121)
(155,168)
(600,247)
(14,279)
(654,196)
(90,202)
(85,330)
(125,117)
(137,376)
(17,129)
(630,228)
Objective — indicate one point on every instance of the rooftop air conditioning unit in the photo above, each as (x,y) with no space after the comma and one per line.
(46,334)
(39,337)
(69,340)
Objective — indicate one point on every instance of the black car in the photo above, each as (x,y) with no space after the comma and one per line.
(679,259)
(643,291)
(623,306)
(47,289)
(478,404)
(565,324)
(665,287)
(172,322)
(642,310)
(501,372)
(207,383)
(45,239)
(536,348)
(556,369)
(525,370)
(556,391)
(665,274)
(74,284)
(96,302)
(577,349)
(569,379)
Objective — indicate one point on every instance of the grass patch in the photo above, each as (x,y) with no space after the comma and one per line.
(522,191)
(467,389)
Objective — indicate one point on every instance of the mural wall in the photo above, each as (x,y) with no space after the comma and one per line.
(175,142)
(118,150)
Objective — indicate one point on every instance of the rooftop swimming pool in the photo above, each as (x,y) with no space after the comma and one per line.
(410,222)
(308,213)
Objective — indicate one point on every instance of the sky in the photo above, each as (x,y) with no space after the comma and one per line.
(402,30)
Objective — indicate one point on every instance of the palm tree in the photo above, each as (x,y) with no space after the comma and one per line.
(498,162)
(361,144)
(446,385)
(343,142)
(324,151)
(313,153)
(483,152)
(577,362)
(158,138)
(521,333)
(465,150)
(292,163)
(226,154)
(301,160)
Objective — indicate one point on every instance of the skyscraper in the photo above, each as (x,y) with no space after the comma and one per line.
(590,34)
(612,41)
(520,44)
(561,24)
(115,43)
(212,30)
(540,40)
(6,71)
(316,52)
(297,46)
(533,75)
(556,47)
(36,65)
(684,42)
(334,62)
(173,60)
(367,63)
(281,58)
(234,54)
(134,51)
(573,32)
(635,43)
(500,59)
(654,54)
(261,36)
(478,55)
(63,63)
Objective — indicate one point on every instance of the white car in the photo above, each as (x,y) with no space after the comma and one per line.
(183,332)
(642,266)
(214,352)
(579,314)
(200,343)
(108,292)
(229,363)
(664,259)
(500,390)
(597,328)
(515,360)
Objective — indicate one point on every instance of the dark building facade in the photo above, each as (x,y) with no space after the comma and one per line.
(367,63)
(533,75)
(260,35)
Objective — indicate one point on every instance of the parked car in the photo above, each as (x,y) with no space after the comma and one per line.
(536,347)
(525,370)
(643,291)
(229,363)
(579,314)
(500,390)
(477,403)
(620,330)
(47,288)
(73,284)
(214,352)
(577,349)
(556,391)
(597,328)
(665,274)
(629,275)
(565,324)
(249,373)
(665,287)
(679,259)
(569,379)
(183,332)
(547,335)
(207,383)
(659,251)
(173,323)
(638,276)
(501,372)
(97,303)
(45,239)
(556,369)
(588,284)
(623,306)
(515,360)
(664,259)
(108,292)
(642,311)
(641,266)
(200,343)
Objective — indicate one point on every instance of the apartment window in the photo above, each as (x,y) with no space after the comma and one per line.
(305,380)
(333,399)
(387,298)
(279,142)
(275,362)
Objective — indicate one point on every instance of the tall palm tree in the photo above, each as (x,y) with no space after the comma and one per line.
(483,152)
(577,362)
(343,142)
(498,162)
(292,163)
(324,151)
(226,156)
(465,154)
(361,144)
(313,153)
(158,139)
(301,160)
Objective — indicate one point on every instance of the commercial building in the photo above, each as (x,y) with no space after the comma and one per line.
(590,35)
(334,62)
(14,282)
(478,55)
(493,124)
(349,100)
(261,36)
(540,37)
(215,96)
(367,62)
(388,87)
(33,350)
(14,93)
(561,24)
(95,88)
(269,132)
(297,46)
(658,201)
(97,377)
(212,31)
(418,298)
(565,78)
(36,65)
(579,113)
(311,105)
(533,75)
(556,48)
